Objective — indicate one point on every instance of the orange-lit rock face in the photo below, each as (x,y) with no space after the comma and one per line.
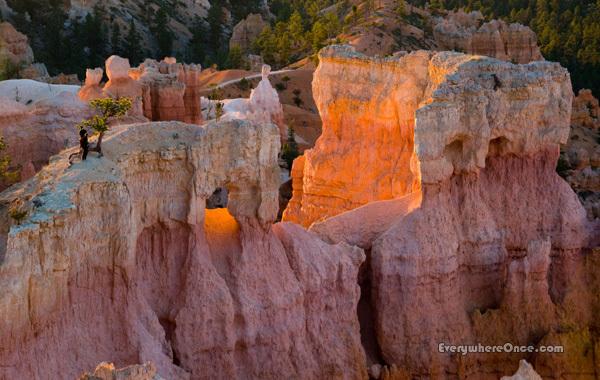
(495,248)
(365,151)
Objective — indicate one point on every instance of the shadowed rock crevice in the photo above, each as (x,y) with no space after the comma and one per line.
(169,327)
(366,315)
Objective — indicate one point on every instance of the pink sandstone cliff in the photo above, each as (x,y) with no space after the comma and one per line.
(37,121)
(117,259)
(492,246)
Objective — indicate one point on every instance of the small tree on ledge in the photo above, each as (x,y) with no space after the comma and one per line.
(108,108)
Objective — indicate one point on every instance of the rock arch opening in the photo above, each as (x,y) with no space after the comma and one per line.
(218,199)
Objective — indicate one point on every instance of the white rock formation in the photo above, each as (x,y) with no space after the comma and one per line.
(263,106)
(27,91)
(525,372)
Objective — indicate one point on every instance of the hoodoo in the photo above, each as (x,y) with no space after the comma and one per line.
(491,245)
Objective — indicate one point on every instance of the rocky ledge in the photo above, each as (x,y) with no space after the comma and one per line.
(117,258)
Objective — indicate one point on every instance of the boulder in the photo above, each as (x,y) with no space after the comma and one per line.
(92,89)
(120,84)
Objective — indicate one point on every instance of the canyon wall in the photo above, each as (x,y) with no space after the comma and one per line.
(117,258)
(467,33)
(492,247)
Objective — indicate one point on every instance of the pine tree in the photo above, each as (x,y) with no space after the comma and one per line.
(235,59)
(198,44)
(132,45)
(115,39)
(319,35)
(162,33)
(106,109)
(266,45)
(215,24)
(296,29)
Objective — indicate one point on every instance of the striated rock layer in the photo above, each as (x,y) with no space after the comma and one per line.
(117,259)
(367,140)
(367,148)
(465,32)
(494,248)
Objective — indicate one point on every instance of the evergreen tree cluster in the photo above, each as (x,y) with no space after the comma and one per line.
(568,30)
(71,45)
(210,40)
(301,28)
